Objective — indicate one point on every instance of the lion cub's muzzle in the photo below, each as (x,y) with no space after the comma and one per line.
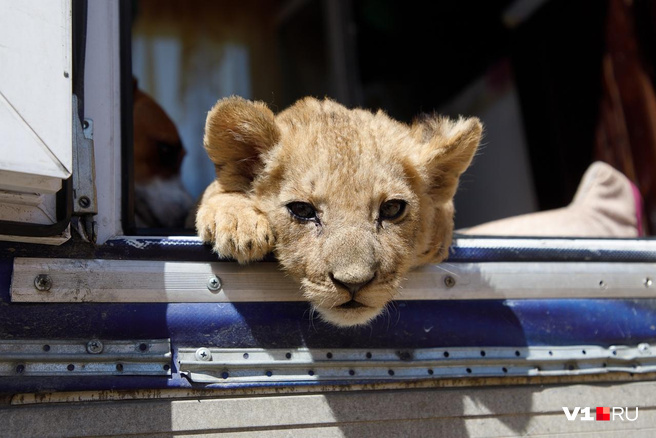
(352,294)
(349,301)
(355,295)
(353,287)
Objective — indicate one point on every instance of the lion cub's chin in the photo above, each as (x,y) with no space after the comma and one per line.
(345,317)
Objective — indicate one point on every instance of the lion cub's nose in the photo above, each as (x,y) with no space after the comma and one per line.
(350,283)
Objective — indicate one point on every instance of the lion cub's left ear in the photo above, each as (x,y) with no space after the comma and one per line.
(448,147)
(237,133)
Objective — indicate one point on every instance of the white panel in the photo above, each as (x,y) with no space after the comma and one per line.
(35,94)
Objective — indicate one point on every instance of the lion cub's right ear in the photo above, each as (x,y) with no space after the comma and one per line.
(237,133)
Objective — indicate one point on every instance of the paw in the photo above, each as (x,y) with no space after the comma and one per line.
(236,230)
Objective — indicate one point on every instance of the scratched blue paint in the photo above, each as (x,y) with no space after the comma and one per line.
(407,325)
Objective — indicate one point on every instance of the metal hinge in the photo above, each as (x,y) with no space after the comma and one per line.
(260,366)
(93,357)
(85,202)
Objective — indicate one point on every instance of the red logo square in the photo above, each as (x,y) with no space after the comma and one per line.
(603,414)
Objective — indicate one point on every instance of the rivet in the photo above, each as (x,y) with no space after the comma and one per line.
(449,281)
(43,282)
(203,354)
(94,346)
(214,283)
(648,282)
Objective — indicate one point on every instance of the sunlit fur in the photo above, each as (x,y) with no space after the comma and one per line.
(346,163)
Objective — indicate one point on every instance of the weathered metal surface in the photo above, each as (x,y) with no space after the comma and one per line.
(66,358)
(235,365)
(130,281)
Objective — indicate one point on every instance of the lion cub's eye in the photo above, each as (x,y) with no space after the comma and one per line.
(302,211)
(392,209)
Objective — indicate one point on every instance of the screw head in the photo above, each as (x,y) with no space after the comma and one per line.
(648,282)
(94,346)
(84,202)
(214,284)
(449,281)
(43,282)
(203,354)
(644,348)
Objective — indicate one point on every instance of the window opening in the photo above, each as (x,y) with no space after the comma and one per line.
(546,122)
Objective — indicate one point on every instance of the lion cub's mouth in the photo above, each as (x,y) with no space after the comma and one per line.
(351,305)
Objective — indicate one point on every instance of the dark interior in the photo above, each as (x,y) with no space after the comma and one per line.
(582,71)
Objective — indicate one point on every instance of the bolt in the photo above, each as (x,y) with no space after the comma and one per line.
(43,282)
(84,202)
(203,354)
(449,281)
(95,346)
(214,284)
(648,282)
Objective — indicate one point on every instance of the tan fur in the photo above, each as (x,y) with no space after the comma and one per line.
(346,164)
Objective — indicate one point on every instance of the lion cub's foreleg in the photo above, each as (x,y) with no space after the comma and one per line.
(234,225)
(237,133)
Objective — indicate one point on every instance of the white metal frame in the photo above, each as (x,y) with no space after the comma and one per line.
(102,85)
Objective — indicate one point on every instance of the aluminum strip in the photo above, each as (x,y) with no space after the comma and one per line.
(137,281)
(462,241)
(230,366)
(26,358)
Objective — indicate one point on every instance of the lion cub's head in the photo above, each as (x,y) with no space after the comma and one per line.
(353,199)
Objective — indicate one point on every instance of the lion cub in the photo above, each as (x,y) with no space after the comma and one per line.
(348,200)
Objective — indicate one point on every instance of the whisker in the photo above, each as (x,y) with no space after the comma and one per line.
(312,318)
